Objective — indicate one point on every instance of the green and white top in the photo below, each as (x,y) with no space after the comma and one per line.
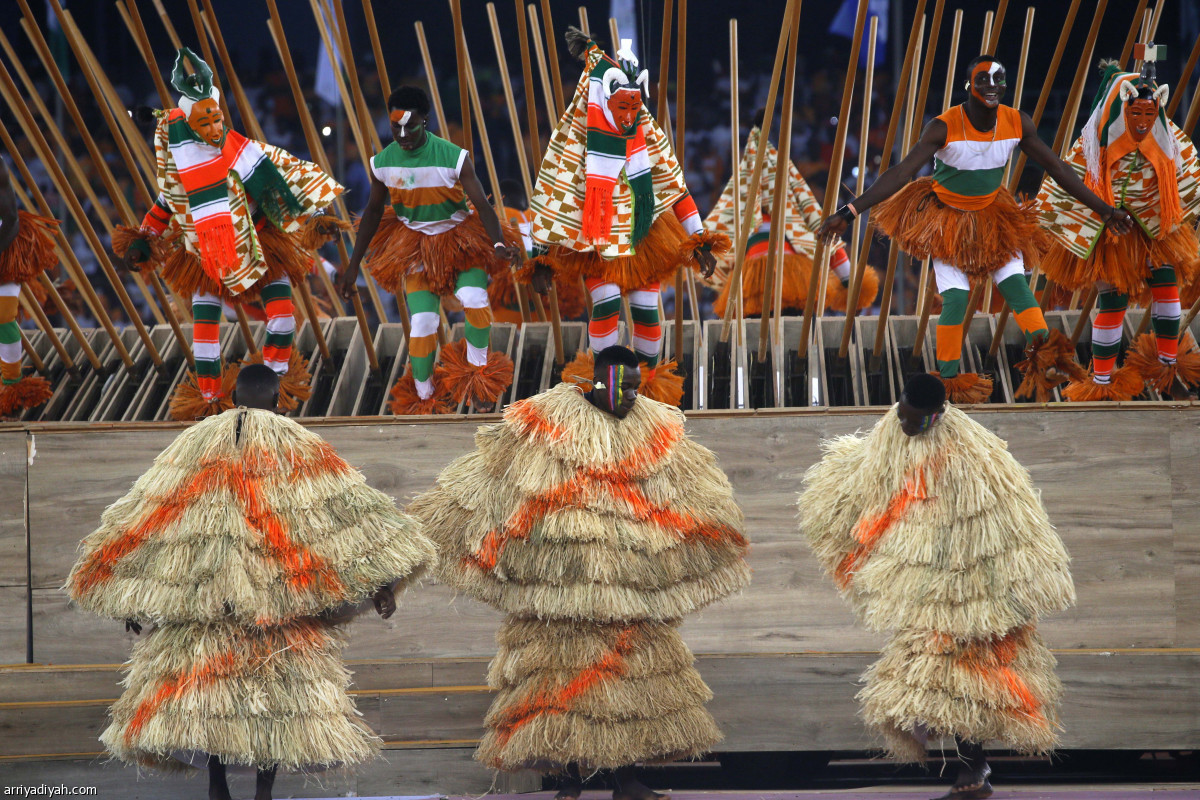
(423,184)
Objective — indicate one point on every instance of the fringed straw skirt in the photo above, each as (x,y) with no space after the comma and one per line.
(1000,689)
(976,242)
(655,258)
(1126,261)
(32,252)
(397,250)
(797,269)
(598,695)
(256,696)
(285,258)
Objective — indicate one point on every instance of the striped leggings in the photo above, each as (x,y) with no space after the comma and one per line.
(206,334)
(955,288)
(606,311)
(1106,328)
(10,333)
(471,290)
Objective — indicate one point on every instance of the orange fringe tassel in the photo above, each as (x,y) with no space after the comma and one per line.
(319,229)
(719,244)
(1055,352)
(124,236)
(976,242)
(597,213)
(188,404)
(1121,260)
(796,271)
(29,392)
(1126,384)
(462,380)
(664,384)
(967,388)
(184,270)
(837,295)
(32,252)
(657,257)
(406,402)
(397,250)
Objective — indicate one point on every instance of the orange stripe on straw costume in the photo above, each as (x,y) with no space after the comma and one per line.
(992,660)
(610,665)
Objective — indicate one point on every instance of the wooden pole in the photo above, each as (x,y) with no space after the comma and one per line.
(249,118)
(773,277)
(664,60)
(790,14)
(534,141)
(1185,77)
(680,145)
(935,27)
(332,51)
(38,364)
(914,39)
(384,82)
(133,21)
(1134,27)
(1085,313)
(34,309)
(464,99)
(820,270)
(366,122)
(560,102)
(732,292)
(993,40)
(547,91)
(434,94)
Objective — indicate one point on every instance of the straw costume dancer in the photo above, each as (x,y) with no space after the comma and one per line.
(26,250)
(595,524)
(610,206)
(236,221)
(967,221)
(933,532)
(1132,155)
(429,243)
(246,544)
(801,221)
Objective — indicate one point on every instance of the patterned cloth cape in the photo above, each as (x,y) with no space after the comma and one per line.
(308,188)
(802,211)
(1136,185)
(556,209)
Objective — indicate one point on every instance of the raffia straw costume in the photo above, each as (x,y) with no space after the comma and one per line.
(595,535)
(942,539)
(502,293)
(599,209)
(234,222)
(245,530)
(27,256)
(431,244)
(1157,181)
(801,220)
(967,221)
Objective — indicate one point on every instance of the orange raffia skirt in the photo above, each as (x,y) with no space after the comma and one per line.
(976,242)
(397,250)
(1122,261)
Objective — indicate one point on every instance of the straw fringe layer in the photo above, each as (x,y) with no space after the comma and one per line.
(836,295)
(1055,351)
(258,696)
(29,392)
(657,258)
(32,251)
(1126,384)
(976,242)
(1122,261)
(967,388)
(281,252)
(246,516)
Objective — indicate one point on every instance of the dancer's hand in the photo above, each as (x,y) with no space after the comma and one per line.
(132,625)
(543,279)
(832,227)
(706,260)
(512,255)
(385,601)
(1118,221)
(134,258)
(347,282)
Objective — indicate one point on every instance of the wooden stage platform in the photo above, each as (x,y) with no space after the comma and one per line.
(1121,482)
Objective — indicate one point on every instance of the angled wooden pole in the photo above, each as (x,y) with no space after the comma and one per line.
(790,13)
(1134,28)
(680,146)
(249,118)
(560,102)
(993,39)
(34,309)
(664,61)
(385,82)
(552,111)
(464,98)
(1185,77)
(133,20)
(38,364)
(534,141)
(935,27)
(820,271)
(366,121)
(431,79)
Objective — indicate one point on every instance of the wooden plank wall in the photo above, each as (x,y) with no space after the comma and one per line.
(1122,484)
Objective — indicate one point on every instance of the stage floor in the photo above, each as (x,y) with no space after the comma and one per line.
(1190,791)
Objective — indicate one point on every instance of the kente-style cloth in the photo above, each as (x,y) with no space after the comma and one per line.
(244,543)
(595,536)
(963,214)
(1157,181)
(942,539)
(610,236)
(207,204)
(802,218)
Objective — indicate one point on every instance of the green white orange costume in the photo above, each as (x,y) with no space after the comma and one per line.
(429,245)
(802,217)
(600,203)
(1157,181)
(27,256)
(595,535)
(241,544)
(942,539)
(233,223)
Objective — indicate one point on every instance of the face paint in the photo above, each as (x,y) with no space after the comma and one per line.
(928,420)
(988,77)
(401,118)
(616,374)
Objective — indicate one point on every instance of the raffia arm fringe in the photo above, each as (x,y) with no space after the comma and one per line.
(124,236)
(29,392)
(967,388)
(1126,384)
(836,295)
(319,229)
(1052,353)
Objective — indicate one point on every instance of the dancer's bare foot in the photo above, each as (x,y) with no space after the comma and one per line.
(973,772)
